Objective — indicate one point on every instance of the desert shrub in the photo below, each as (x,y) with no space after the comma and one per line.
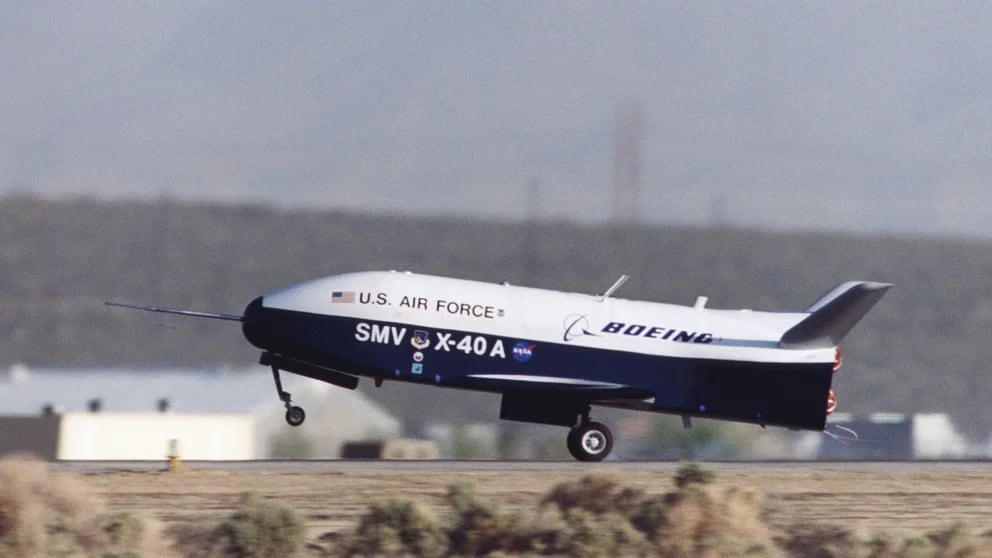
(121,529)
(956,541)
(605,534)
(195,540)
(883,545)
(38,514)
(543,533)
(816,541)
(42,514)
(832,541)
(701,519)
(693,473)
(398,527)
(920,547)
(256,529)
(596,516)
(596,493)
(479,526)
(650,516)
(600,517)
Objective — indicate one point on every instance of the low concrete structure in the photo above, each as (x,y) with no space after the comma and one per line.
(130,436)
(111,414)
(393,448)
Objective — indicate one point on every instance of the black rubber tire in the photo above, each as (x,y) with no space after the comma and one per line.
(295,416)
(572,442)
(590,442)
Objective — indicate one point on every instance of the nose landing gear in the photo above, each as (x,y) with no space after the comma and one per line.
(294,415)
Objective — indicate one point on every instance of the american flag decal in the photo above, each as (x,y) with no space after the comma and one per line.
(343,296)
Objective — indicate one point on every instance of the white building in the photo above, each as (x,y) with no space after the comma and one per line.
(130,436)
(215,414)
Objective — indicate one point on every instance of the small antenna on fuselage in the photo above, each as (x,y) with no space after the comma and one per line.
(616,285)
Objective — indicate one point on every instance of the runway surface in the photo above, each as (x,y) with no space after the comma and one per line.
(874,468)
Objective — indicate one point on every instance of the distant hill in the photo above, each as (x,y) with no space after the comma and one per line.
(924,348)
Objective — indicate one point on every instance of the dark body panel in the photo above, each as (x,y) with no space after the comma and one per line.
(559,375)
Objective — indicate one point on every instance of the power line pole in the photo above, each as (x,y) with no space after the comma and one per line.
(628,139)
(531,260)
(627,219)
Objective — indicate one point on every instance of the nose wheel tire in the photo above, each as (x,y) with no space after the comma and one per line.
(591,441)
(295,415)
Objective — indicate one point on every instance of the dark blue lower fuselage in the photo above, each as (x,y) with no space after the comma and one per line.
(783,394)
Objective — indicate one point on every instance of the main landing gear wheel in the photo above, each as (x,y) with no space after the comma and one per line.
(295,415)
(590,441)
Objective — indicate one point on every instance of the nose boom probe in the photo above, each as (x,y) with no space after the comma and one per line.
(180,311)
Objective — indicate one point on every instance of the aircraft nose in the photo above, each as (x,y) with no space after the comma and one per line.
(253,323)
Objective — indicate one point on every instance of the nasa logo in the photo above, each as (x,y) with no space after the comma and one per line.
(418,357)
(523,351)
(420,339)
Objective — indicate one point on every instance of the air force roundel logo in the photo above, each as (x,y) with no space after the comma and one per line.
(420,339)
(522,351)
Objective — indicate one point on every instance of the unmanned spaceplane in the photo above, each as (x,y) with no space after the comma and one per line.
(554,355)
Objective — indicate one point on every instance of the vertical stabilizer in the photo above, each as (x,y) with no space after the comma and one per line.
(833,315)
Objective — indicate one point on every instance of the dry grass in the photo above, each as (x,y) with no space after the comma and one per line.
(757,511)
(704,520)
(257,528)
(46,514)
(594,515)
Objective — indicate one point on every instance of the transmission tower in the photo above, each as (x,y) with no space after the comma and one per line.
(627,148)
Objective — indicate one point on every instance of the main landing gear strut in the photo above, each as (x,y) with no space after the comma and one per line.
(294,415)
(589,441)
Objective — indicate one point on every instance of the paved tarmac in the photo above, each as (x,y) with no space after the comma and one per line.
(983,467)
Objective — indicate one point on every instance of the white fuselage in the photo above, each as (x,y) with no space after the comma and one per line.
(549,316)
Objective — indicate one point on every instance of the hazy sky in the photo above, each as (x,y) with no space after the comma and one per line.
(840,115)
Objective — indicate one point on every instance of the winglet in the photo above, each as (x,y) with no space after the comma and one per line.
(833,315)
